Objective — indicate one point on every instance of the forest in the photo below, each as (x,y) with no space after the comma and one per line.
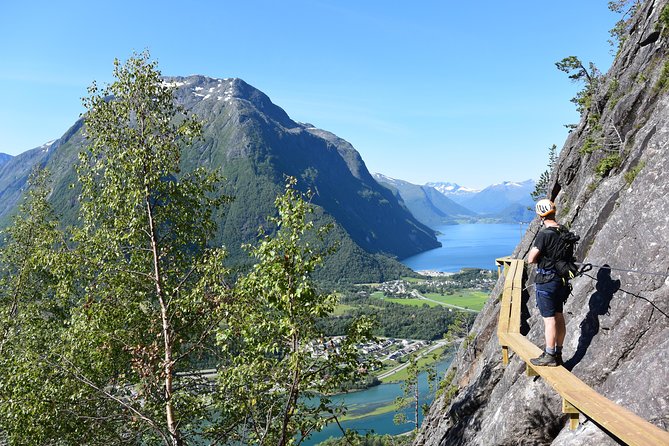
(392,320)
(105,323)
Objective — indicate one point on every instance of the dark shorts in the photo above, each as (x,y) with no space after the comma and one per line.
(551,297)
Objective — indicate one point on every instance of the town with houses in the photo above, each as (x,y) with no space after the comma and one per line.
(383,350)
(390,351)
(482,280)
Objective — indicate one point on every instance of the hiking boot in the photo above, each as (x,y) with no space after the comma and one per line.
(558,359)
(546,359)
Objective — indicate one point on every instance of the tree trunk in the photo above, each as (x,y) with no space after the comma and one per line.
(416,397)
(292,399)
(166,330)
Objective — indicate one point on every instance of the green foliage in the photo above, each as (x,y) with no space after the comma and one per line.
(663,22)
(107,321)
(392,320)
(662,83)
(566,207)
(467,341)
(150,277)
(631,174)
(447,388)
(589,146)
(606,164)
(272,383)
(612,93)
(354,439)
(409,398)
(592,186)
(138,288)
(541,186)
(590,76)
(620,31)
(33,317)
(459,326)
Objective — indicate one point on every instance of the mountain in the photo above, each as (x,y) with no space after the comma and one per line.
(617,316)
(440,203)
(255,144)
(454,191)
(426,203)
(515,213)
(14,173)
(497,197)
(4,158)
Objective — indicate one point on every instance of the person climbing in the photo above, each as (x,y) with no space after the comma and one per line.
(552,290)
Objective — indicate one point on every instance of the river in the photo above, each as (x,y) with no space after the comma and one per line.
(365,401)
(463,246)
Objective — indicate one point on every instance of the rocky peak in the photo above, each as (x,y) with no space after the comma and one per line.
(609,187)
(204,94)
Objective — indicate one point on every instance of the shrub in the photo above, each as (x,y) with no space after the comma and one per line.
(606,164)
(631,174)
(589,146)
(663,82)
(663,22)
(447,388)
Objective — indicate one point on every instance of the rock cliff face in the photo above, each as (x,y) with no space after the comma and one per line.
(616,197)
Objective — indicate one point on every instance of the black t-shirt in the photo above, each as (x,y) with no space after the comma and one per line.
(547,243)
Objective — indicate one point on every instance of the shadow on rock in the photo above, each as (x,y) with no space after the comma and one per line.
(599,304)
(524,310)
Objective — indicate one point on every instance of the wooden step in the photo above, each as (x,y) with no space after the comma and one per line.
(577,395)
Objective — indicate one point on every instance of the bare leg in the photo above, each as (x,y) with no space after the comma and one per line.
(550,333)
(550,330)
(560,329)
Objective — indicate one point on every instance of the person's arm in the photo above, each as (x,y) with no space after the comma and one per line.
(533,256)
(537,247)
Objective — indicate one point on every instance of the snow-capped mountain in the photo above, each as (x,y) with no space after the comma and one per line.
(454,191)
(451,188)
(427,204)
(254,144)
(497,197)
(506,202)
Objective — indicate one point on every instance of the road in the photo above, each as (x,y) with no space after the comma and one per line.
(437,344)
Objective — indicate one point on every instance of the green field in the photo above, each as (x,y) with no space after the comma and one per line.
(392,407)
(411,302)
(342,309)
(471,299)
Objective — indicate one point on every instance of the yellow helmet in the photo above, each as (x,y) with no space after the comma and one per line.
(544,207)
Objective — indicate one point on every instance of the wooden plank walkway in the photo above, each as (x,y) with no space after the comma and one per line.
(577,396)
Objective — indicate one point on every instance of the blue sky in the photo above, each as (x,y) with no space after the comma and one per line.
(455,91)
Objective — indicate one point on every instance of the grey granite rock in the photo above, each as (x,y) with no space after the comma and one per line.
(617,319)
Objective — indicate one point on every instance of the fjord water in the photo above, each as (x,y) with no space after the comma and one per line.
(474,245)
(463,246)
(367,400)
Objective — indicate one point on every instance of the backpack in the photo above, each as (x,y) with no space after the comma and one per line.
(563,258)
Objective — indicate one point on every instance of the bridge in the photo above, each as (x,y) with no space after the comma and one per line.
(577,397)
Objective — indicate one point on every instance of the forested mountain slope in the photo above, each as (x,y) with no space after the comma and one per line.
(426,203)
(255,144)
(610,187)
